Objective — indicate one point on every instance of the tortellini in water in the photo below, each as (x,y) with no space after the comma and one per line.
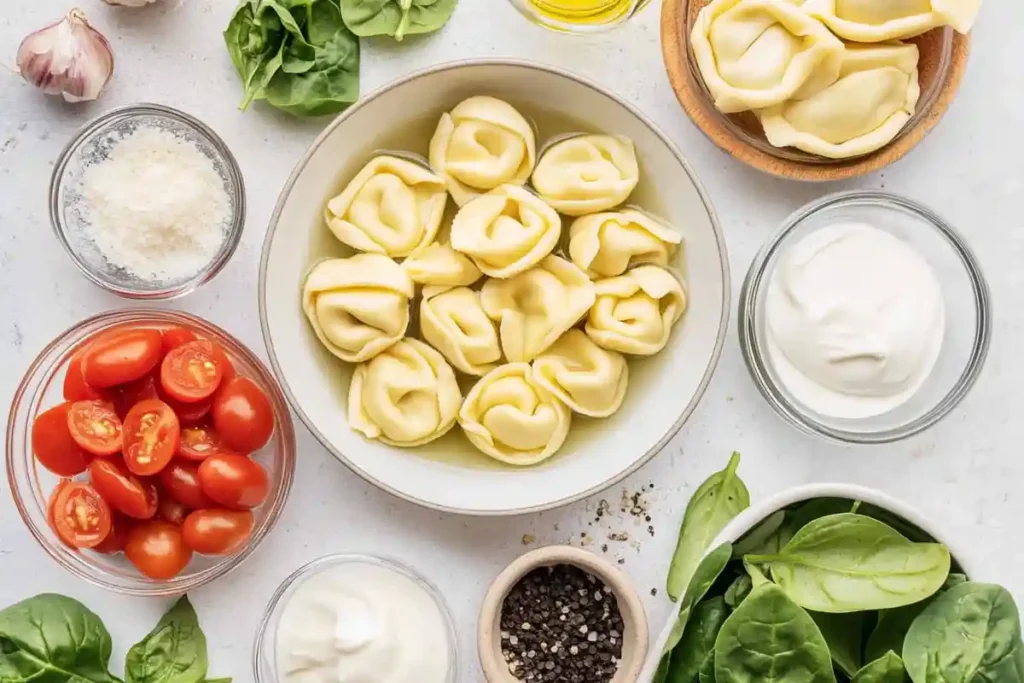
(392,207)
(534,308)
(587,173)
(439,267)
(506,231)
(874,98)
(406,396)
(358,306)
(872,21)
(754,54)
(509,416)
(608,244)
(589,379)
(482,144)
(454,323)
(634,313)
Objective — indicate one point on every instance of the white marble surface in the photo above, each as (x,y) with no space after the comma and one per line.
(966,473)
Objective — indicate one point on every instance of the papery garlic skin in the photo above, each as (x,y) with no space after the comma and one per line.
(68,58)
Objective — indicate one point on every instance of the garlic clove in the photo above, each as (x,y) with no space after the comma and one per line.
(68,58)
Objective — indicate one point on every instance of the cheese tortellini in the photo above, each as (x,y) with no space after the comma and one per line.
(406,396)
(634,313)
(482,144)
(454,323)
(587,173)
(874,98)
(873,21)
(358,306)
(754,54)
(439,267)
(509,416)
(608,244)
(506,231)
(392,207)
(589,379)
(534,308)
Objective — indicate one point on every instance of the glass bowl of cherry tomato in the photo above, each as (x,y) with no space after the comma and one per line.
(149,452)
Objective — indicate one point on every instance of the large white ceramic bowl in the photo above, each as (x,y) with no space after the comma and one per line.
(450,474)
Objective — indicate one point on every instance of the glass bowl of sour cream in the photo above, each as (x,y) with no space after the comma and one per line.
(865,318)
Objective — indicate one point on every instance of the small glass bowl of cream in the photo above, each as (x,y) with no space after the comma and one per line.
(357,619)
(865,319)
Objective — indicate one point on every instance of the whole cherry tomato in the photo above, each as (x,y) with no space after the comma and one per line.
(52,443)
(122,490)
(75,388)
(192,371)
(180,480)
(80,516)
(199,443)
(151,434)
(118,535)
(120,356)
(95,426)
(173,337)
(234,480)
(172,511)
(157,549)
(242,415)
(189,413)
(217,532)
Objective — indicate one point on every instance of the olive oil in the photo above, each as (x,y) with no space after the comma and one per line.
(584,13)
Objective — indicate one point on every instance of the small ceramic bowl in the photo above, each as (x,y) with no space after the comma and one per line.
(92,144)
(942,66)
(964,290)
(596,17)
(634,639)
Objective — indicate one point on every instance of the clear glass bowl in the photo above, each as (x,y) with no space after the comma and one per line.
(609,14)
(968,316)
(93,143)
(264,661)
(31,483)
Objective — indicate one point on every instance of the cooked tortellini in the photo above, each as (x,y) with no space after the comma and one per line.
(392,207)
(875,96)
(608,244)
(358,306)
(754,54)
(406,396)
(589,379)
(534,308)
(454,323)
(482,144)
(509,416)
(506,231)
(872,21)
(634,313)
(439,267)
(587,173)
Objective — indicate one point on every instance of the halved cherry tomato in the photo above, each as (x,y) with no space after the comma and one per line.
(173,337)
(95,426)
(122,490)
(115,540)
(199,443)
(192,371)
(51,504)
(217,532)
(242,415)
(172,511)
(151,434)
(181,482)
(120,356)
(75,388)
(157,549)
(189,413)
(133,392)
(52,443)
(234,480)
(81,517)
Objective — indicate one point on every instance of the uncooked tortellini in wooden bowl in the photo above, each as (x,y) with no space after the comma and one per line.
(608,244)
(455,323)
(874,21)
(587,378)
(587,173)
(634,313)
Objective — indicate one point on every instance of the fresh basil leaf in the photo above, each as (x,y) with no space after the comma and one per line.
(886,669)
(698,640)
(716,502)
(844,635)
(762,538)
(173,652)
(397,18)
(738,590)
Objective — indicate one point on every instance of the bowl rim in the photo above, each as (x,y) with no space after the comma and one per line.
(236,188)
(716,226)
(753,352)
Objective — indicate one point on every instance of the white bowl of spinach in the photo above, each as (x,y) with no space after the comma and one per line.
(826,583)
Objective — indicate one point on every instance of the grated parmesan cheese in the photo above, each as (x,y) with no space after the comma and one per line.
(156,206)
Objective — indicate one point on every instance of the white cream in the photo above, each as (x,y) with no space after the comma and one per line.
(855,320)
(361,622)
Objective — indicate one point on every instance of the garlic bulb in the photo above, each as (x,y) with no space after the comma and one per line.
(129,3)
(68,58)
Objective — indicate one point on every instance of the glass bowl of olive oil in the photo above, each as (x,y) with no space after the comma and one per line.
(579,16)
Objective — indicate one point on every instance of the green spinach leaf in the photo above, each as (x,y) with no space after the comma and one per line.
(698,640)
(757,577)
(844,634)
(397,18)
(886,669)
(707,669)
(763,538)
(173,652)
(738,590)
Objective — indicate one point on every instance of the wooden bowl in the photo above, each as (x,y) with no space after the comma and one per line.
(943,62)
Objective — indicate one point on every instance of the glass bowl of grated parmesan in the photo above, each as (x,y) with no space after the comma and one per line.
(148,202)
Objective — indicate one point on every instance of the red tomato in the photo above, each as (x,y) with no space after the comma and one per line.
(151,433)
(51,503)
(191,372)
(81,517)
(242,415)
(217,532)
(95,426)
(157,549)
(172,511)
(189,413)
(75,388)
(120,356)
(133,392)
(199,443)
(115,540)
(122,490)
(52,443)
(173,337)
(234,480)
(182,483)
